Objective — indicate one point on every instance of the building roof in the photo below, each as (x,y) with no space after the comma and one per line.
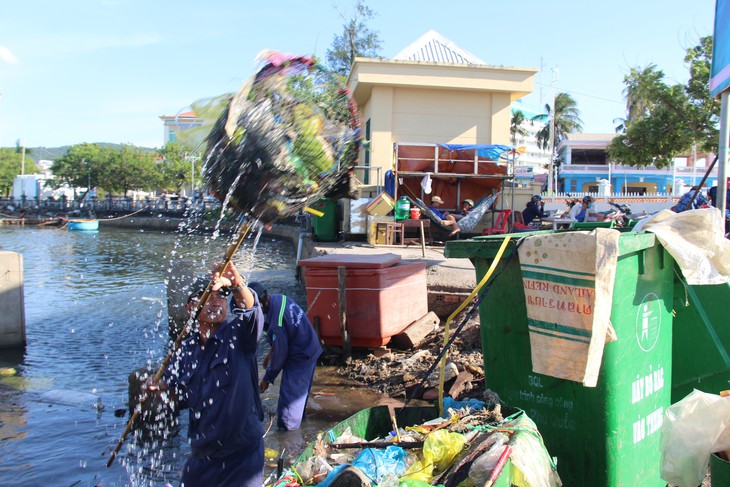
(580,137)
(435,48)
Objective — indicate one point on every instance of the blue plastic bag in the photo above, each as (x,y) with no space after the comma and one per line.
(377,463)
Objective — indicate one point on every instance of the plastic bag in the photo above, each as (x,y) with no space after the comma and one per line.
(693,428)
(439,451)
(315,466)
(378,463)
(441,447)
(529,456)
(450,403)
(482,467)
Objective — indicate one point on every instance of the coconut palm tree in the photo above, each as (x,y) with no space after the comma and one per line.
(566,120)
(516,128)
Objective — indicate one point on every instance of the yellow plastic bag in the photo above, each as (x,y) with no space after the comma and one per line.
(441,447)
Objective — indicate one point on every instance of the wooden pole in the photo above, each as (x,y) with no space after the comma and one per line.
(342,300)
(183,334)
(423,240)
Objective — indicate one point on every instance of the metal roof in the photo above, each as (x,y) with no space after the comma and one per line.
(433,47)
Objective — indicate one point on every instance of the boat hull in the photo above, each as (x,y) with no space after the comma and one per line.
(83,225)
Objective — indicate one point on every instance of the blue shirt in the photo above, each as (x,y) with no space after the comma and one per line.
(438,212)
(218,383)
(683,203)
(291,336)
(532,211)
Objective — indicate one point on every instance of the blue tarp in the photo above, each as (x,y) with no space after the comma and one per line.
(490,151)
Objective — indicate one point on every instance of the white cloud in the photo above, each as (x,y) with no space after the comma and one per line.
(7,55)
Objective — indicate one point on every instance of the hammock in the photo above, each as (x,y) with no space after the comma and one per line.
(469,222)
(466,224)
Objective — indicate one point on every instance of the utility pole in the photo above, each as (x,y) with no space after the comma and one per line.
(22,158)
(552,189)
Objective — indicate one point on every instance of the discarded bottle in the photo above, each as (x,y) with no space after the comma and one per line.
(402,208)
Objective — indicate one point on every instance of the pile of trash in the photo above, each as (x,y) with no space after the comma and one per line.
(469,446)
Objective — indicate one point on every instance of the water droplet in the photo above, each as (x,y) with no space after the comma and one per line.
(197,414)
(210,401)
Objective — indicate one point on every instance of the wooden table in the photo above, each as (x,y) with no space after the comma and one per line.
(416,225)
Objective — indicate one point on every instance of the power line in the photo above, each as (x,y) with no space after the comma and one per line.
(573,92)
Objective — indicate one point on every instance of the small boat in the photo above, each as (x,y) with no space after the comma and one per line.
(82,224)
(372,430)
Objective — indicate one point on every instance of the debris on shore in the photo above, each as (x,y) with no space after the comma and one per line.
(397,373)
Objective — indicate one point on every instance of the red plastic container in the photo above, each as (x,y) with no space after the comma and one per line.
(415,213)
(383,295)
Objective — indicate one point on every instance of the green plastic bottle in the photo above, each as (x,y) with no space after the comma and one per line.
(402,208)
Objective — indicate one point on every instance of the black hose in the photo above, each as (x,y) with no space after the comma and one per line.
(466,319)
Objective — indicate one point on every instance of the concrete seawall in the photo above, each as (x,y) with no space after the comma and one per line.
(12,319)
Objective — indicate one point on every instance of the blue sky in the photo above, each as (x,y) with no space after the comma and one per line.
(105,70)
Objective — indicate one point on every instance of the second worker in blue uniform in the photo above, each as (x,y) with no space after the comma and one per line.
(295,349)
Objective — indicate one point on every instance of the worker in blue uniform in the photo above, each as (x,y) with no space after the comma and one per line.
(294,351)
(214,374)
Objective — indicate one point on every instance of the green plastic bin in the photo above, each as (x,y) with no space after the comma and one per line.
(325,227)
(602,436)
(701,338)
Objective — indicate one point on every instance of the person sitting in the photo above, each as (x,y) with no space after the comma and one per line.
(684,201)
(466,207)
(535,208)
(583,212)
(447,219)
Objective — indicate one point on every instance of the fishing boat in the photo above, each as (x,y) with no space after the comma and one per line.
(358,450)
(83,224)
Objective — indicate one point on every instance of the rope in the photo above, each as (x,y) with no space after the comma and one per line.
(125,216)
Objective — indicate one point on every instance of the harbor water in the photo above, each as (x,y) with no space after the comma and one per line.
(96,310)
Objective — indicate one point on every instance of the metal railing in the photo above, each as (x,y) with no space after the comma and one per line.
(169,206)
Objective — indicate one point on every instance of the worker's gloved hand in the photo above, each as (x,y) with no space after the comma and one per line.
(263,386)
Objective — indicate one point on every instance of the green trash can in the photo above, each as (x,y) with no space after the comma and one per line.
(606,435)
(325,227)
(701,338)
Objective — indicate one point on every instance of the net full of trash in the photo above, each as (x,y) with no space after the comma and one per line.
(288,138)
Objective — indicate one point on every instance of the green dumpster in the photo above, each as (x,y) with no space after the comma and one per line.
(325,227)
(701,338)
(606,435)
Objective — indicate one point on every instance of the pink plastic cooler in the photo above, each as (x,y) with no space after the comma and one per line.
(384,296)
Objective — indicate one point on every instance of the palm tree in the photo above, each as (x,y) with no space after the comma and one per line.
(515,127)
(641,94)
(566,120)
(640,91)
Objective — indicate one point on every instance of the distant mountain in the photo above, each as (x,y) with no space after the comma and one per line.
(52,153)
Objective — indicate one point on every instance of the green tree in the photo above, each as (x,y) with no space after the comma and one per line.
(356,40)
(516,126)
(640,94)
(665,121)
(10,166)
(176,166)
(112,169)
(566,120)
(82,166)
(130,168)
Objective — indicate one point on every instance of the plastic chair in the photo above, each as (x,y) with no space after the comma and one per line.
(519,225)
(500,224)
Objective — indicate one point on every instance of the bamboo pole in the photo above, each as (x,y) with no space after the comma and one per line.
(342,300)
(183,334)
